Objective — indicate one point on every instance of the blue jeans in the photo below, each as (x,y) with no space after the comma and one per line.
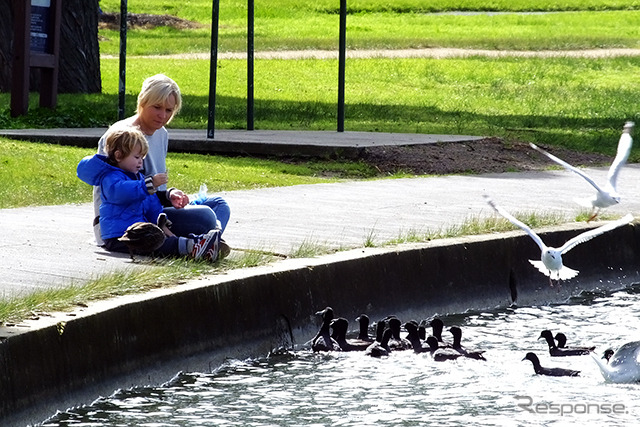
(200,218)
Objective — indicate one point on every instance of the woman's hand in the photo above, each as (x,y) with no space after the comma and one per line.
(178,199)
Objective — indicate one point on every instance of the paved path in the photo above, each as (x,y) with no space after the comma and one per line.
(53,246)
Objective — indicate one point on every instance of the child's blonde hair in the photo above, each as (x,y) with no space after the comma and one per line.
(125,139)
(156,90)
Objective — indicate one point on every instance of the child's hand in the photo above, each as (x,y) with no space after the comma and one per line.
(159,179)
(178,199)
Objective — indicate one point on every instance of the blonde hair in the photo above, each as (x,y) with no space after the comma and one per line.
(125,139)
(156,90)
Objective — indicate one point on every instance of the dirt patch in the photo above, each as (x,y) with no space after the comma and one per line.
(490,155)
(111,21)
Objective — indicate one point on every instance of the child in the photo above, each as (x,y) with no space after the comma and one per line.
(128,197)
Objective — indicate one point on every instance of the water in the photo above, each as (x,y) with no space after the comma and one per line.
(350,389)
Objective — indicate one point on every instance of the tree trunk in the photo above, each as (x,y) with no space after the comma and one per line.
(79,60)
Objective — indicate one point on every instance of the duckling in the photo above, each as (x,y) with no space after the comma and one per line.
(436,331)
(422,332)
(397,342)
(363,334)
(553,372)
(340,326)
(380,348)
(441,354)
(381,325)
(562,341)
(457,337)
(556,351)
(323,341)
(414,337)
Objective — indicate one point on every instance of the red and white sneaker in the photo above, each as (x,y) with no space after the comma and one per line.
(207,246)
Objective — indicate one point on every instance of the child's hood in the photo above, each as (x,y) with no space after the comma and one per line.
(91,169)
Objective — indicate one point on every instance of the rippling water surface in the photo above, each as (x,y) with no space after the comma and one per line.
(350,389)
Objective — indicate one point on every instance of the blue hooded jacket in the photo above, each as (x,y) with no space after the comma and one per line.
(125,196)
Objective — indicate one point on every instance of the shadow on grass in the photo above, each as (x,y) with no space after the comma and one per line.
(100,110)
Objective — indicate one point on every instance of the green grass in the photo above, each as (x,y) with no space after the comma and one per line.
(554,31)
(476,225)
(159,273)
(45,174)
(200,10)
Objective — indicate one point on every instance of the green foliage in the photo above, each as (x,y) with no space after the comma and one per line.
(35,174)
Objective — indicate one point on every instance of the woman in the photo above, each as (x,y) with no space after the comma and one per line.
(158,103)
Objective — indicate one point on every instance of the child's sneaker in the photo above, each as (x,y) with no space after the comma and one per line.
(207,246)
(213,250)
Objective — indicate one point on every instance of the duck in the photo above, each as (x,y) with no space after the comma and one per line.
(606,195)
(437,325)
(556,351)
(553,372)
(457,337)
(623,365)
(381,325)
(380,348)
(561,339)
(413,336)
(323,341)
(440,354)
(422,332)
(340,327)
(363,334)
(397,342)
(550,262)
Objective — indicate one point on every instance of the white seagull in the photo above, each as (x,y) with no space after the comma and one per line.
(623,366)
(550,263)
(607,195)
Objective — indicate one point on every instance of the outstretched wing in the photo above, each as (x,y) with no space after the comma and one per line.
(567,166)
(516,222)
(588,235)
(624,148)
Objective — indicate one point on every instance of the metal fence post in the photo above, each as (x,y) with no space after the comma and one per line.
(341,63)
(250,48)
(213,68)
(122,75)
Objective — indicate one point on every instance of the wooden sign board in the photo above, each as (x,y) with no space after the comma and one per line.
(36,44)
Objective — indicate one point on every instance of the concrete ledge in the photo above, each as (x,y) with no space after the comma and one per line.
(323,144)
(146,339)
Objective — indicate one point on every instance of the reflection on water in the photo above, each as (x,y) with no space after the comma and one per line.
(350,389)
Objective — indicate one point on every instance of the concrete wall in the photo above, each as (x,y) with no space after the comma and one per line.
(146,339)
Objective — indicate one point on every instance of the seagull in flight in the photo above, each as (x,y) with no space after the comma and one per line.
(550,263)
(606,195)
